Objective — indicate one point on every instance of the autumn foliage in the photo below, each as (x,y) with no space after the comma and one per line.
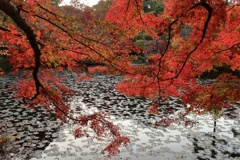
(44,39)
(213,41)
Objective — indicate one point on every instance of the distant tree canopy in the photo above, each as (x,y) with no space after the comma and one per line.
(153,6)
(101,8)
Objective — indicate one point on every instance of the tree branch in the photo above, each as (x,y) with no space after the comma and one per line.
(237,44)
(115,66)
(12,11)
(209,9)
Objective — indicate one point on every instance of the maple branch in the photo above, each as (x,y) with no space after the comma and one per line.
(52,13)
(209,9)
(231,8)
(162,55)
(118,68)
(18,35)
(137,9)
(7,30)
(45,9)
(86,118)
(40,43)
(160,60)
(66,49)
(169,37)
(170,26)
(4,29)
(12,11)
(127,6)
(237,44)
(9,8)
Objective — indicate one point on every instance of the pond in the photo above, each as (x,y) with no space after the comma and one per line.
(41,136)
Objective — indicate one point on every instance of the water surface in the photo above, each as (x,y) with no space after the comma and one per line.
(42,136)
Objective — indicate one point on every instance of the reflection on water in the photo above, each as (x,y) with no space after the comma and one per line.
(33,129)
(209,139)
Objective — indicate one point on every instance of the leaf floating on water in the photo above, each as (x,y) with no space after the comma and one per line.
(84,153)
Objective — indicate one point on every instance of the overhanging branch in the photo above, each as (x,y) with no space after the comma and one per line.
(209,9)
(12,11)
